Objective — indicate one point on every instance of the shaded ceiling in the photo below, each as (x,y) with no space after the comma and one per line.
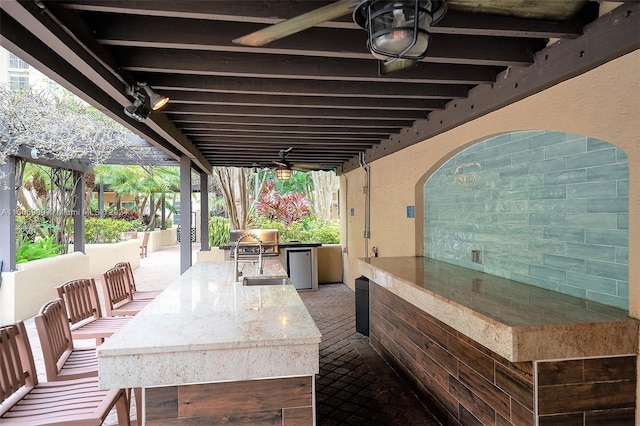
(317,91)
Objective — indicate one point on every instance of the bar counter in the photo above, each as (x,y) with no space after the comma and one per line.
(482,349)
(207,329)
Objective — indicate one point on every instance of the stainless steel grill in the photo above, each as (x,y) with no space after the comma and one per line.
(250,246)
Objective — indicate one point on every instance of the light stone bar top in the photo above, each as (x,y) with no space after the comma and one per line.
(517,321)
(206,328)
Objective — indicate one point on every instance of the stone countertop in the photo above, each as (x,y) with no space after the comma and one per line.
(518,321)
(206,328)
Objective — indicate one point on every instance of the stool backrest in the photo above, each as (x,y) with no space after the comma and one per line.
(55,336)
(17,367)
(80,299)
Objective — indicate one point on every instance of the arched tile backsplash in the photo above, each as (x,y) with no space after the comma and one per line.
(544,208)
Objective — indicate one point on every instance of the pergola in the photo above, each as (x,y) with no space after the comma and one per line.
(318,91)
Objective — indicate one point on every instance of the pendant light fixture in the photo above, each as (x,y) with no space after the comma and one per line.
(398,29)
(283,173)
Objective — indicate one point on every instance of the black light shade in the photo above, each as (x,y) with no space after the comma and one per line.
(156,100)
(398,29)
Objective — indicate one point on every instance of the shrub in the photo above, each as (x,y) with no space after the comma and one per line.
(105,230)
(219,231)
(136,225)
(39,249)
(307,231)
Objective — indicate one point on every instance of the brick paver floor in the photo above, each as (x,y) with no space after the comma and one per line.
(355,385)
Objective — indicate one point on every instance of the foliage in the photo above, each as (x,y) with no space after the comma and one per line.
(105,230)
(287,208)
(326,232)
(306,231)
(219,231)
(39,249)
(143,184)
(59,126)
(136,225)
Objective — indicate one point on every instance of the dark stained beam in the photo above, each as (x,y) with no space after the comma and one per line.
(251,128)
(182,97)
(319,145)
(151,32)
(289,121)
(304,87)
(266,12)
(295,67)
(250,111)
(283,137)
(503,26)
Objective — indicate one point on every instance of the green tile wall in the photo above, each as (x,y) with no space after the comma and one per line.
(546,208)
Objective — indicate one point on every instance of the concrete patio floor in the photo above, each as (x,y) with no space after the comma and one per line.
(355,385)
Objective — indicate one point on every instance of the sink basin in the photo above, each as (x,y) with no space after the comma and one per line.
(265,281)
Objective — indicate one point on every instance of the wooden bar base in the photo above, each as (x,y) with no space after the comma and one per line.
(467,384)
(287,401)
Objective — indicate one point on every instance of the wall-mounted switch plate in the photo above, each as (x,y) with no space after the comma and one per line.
(411,212)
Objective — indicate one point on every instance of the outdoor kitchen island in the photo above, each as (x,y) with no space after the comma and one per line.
(488,350)
(211,350)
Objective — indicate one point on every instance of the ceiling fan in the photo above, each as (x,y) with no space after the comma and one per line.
(397,30)
(283,171)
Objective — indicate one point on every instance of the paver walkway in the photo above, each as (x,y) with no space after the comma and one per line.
(355,385)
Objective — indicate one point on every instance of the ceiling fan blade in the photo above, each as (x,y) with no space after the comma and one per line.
(395,65)
(297,24)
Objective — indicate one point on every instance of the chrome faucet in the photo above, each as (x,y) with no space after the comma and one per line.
(237,273)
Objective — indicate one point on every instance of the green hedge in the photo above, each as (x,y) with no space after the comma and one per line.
(306,231)
(98,231)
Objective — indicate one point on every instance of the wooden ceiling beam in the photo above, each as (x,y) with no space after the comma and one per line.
(259,129)
(289,121)
(257,111)
(303,87)
(295,67)
(182,97)
(151,32)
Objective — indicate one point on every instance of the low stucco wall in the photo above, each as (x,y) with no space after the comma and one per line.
(23,292)
(157,239)
(104,256)
(213,255)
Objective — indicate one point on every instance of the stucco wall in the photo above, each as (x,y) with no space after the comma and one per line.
(24,291)
(602,104)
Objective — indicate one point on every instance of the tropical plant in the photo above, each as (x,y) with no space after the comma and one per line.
(219,231)
(39,249)
(287,208)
